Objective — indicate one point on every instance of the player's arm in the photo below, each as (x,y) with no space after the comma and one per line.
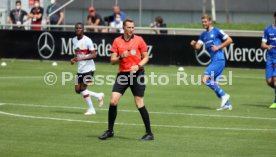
(26,17)
(144,61)
(264,44)
(225,43)
(144,54)
(196,45)
(114,58)
(73,60)
(144,57)
(97,22)
(92,55)
(9,20)
(61,18)
(88,20)
(38,16)
(31,15)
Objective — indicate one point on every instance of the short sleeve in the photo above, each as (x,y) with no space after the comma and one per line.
(265,36)
(142,45)
(90,45)
(200,39)
(222,35)
(114,47)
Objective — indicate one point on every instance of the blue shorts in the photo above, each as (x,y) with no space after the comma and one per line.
(215,69)
(270,68)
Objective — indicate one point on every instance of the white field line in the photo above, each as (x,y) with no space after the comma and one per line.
(134,124)
(21,77)
(158,113)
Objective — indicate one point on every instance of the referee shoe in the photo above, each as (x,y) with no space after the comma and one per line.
(147,137)
(106,135)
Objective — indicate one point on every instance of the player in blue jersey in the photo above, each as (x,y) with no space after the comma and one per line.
(214,40)
(269,43)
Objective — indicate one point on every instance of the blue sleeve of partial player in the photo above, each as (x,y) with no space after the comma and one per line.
(201,38)
(265,36)
(221,34)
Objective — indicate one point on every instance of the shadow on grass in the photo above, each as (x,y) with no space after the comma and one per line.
(113,138)
(68,112)
(194,106)
(258,104)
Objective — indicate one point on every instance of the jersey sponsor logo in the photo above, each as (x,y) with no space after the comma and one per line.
(46,45)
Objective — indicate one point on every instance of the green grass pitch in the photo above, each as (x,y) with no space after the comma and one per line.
(38,120)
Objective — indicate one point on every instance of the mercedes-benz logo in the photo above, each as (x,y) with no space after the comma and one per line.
(203,57)
(46,45)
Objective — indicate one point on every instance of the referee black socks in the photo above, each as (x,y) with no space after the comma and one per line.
(145,116)
(112,113)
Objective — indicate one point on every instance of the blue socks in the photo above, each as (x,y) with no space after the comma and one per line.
(216,88)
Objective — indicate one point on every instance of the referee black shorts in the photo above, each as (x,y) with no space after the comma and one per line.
(86,78)
(136,82)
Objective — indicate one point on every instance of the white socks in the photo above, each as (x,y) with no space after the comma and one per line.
(86,96)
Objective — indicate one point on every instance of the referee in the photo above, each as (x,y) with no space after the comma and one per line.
(130,51)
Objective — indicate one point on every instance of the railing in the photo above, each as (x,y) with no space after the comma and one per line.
(139,30)
(61,7)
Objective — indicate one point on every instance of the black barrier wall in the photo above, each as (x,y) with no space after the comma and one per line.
(163,49)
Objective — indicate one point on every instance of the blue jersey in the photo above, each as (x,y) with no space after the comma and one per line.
(269,38)
(213,37)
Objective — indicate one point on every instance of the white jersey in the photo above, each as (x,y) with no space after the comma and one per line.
(82,48)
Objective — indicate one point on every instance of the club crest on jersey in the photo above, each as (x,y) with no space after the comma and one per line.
(82,46)
(133,52)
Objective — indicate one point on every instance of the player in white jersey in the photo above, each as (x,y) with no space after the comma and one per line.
(85,53)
